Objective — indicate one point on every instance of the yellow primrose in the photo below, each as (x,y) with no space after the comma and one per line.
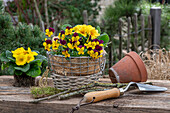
(18,51)
(48,32)
(30,58)
(93,33)
(32,53)
(55,45)
(21,59)
(80,50)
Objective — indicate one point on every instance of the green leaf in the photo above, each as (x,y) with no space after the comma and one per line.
(36,62)
(99,30)
(25,68)
(34,72)
(10,56)
(65,25)
(17,72)
(3,58)
(3,66)
(11,69)
(104,37)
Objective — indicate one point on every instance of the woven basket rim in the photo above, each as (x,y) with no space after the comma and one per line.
(72,56)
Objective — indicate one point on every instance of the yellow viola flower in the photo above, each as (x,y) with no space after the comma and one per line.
(88,45)
(47,46)
(61,36)
(70,46)
(21,59)
(93,45)
(55,45)
(66,54)
(95,55)
(30,57)
(48,32)
(68,30)
(80,50)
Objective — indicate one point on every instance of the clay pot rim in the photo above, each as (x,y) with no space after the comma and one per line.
(136,58)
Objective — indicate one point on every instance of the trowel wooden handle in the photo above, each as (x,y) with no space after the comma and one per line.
(101,95)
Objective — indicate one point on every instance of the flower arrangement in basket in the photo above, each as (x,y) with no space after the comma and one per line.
(25,65)
(76,51)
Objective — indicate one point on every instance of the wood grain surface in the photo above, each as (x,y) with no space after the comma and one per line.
(16,100)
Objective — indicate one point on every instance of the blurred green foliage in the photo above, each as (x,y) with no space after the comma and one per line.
(165,20)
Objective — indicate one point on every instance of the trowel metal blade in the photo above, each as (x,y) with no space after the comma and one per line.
(146,87)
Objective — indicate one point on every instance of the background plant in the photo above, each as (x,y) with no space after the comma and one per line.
(165,20)
(53,12)
(112,13)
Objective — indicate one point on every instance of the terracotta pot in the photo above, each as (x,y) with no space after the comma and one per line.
(129,69)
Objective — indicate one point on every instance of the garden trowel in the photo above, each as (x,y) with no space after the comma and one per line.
(115,92)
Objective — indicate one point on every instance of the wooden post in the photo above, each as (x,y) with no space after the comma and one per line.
(136,32)
(149,31)
(85,17)
(143,31)
(128,38)
(120,38)
(156,22)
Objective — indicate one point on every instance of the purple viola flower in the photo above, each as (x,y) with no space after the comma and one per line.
(95,40)
(98,47)
(89,48)
(90,38)
(68,27)
(67,49)
(75,34)
(48,41)
(95,50)
(63,42)
(80,39)
(80,46)
(51,29)
(101,41)
(62,32)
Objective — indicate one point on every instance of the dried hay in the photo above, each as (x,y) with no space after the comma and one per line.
(157,63)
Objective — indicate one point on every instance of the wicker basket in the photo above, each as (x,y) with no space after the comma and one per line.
(76,71)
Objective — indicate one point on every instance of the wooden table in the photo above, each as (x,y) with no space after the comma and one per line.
(16,100)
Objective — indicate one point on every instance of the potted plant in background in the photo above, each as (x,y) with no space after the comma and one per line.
(76,55)
(25,65)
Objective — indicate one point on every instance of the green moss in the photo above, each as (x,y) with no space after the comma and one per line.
(39,92)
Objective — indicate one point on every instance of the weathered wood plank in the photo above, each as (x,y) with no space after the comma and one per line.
(149,31)
(120,38)
(156,20)
(128,31)
(130,102)
(143,31)
(136,32)
(85,17)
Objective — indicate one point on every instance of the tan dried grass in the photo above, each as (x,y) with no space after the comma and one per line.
(157,63)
